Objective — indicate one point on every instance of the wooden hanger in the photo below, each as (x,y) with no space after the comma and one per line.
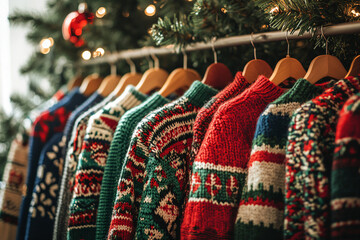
(325,66)
(217,75)
(109,83)
(179,78)
(75,82)
(152,79)
(131,78)
(256,67)
(90,84)
(354,70)
(287,67)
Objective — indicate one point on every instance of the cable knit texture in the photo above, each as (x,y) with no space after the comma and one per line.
(219,169)
(309,155)
(163,140)
(71,161)
(92,160)
(45,126)
(115,160)
(261,209)
(345,175)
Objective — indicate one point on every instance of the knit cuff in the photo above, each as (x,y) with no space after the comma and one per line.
(199,93)
(266,89)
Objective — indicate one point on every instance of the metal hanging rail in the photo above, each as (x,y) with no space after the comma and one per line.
(338,29)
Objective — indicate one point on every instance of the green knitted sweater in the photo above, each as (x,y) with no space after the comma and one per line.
(117,153)
(163,140)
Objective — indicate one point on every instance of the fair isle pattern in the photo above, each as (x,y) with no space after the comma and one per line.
(116,157)
(92,160)
(220,167)
(345,175)
(260,213)
(160,148)
(71,161)
(309,154)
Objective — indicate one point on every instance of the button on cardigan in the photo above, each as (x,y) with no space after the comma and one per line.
(116,157)
(164,138)
(92,160)
(220,167)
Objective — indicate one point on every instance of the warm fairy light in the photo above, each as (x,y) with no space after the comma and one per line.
(150,10)
(44,50)
(51,40)
(126,14)
(189,0)
(274,10)
(149,31)
(99,52)
(101,12)
(224,10)
(355,13)
(45,43)
(86,55)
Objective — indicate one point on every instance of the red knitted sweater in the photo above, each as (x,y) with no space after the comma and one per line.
(219,169)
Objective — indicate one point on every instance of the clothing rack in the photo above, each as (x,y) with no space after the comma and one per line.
(338,29)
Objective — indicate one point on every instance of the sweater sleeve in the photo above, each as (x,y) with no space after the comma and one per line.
(345,201)
(215,182)
(129,189)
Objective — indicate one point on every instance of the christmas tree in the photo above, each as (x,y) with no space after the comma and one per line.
(127,24)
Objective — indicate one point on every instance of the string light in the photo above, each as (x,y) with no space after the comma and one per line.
(126,14)
(150,10)
(44,50)
(86,55)
(99,52)
(46,44)
(274,10)
(355,13)
(224,10)
(101,12)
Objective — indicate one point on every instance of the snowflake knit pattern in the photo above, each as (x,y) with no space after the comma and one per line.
(261,209)
(309,155)
(345,175)
(45,126)
(42,210)
(167,134)
(116,158)
(219,170)
(92,160)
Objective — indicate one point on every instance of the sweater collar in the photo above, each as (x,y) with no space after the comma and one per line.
(199,93)
(240,81)
(266,89)
(130,90)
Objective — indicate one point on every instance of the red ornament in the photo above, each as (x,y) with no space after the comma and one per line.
(74,23)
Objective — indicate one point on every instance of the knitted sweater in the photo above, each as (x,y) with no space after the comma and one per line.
(345,176)
(15,172)
(219,169)
(92,160)
(261,209)
(45,126)
(309,154)
(163,138)
(42,210)
(68,177)
(117,153)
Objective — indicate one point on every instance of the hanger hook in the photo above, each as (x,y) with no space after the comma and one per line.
(288,44)
(151,65)
(131,64)
(213,48)
(113,69)
(326,40)
(252,43)
(185,58)
(156,60)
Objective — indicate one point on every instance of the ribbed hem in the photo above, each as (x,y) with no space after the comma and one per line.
(302,91)
(156,100)
(199,93)
(132,90)
(266,89)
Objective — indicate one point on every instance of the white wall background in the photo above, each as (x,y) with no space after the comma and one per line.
(14,49)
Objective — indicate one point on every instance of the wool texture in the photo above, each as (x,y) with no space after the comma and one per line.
(164,138)
(116,158)
(45,126)
(92,160)
(219,170)
(345,175)
(71,161)
(261,209)
(309,155)
(42,209)
(15,171)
